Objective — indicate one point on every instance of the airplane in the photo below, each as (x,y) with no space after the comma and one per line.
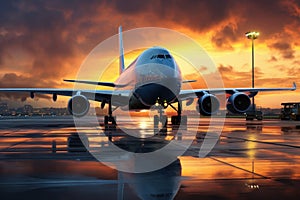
(153,79)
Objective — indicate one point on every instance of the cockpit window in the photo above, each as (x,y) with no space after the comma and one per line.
(161,56)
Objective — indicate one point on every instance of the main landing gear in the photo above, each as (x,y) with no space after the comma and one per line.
(109,120)
(178,119)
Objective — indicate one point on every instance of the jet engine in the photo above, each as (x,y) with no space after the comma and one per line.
(238,103)
(208,104)
(78,105)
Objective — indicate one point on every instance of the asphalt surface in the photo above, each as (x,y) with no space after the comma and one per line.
(250,160)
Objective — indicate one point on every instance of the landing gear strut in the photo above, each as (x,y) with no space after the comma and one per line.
(178,119)
(109,118)
(161,118)
(175,120)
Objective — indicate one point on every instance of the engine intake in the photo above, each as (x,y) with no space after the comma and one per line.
(238,103)
(78,105)
(208,105)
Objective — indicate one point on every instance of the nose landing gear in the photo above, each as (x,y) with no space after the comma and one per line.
(161,118)
(176,120)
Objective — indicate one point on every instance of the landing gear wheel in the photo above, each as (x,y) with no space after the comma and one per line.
(175,120)
(156,121)
(249,118)
(164,123)
(109,118)
(113,120)
(183,120)
(259,118)
(112,125)
(105,120)
(179,120)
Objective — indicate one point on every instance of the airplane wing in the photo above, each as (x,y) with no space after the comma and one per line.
(187,94)
(100,95)
(96,95)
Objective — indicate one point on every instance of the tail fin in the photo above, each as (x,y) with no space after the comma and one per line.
(121,57)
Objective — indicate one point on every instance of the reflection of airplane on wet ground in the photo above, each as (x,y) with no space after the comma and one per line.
(163,183)
(227,168)
(153,80)
(160,184)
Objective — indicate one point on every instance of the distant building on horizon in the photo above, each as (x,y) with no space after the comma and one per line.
(4,109)
(29,110)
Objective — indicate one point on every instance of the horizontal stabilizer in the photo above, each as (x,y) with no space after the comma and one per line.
(108,84)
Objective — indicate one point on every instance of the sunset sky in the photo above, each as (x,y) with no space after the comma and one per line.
(43,42)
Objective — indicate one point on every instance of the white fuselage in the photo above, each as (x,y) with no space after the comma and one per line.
(154,77)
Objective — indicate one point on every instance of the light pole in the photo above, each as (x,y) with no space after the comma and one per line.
(252,35)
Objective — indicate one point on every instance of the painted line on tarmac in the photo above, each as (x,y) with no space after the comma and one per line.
(231,165)
(263,142)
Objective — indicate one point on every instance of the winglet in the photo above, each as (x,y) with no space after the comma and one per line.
(294,86)
(121,57)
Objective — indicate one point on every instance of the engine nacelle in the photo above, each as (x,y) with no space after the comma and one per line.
(238,103)
(78,105)
(208,105)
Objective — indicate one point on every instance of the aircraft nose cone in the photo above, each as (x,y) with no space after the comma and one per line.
(150,93)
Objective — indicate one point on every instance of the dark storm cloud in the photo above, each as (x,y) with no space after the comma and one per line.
(197,15)
(231,71)
(284,48)
(54,35)
(275,20)
(292,70)
(297,62)
(37,31)
(11,80)
(293,6)
(272,59)
(231,77)
(52,28)
(131,6)
(229,20)
(225,69)
(49,36)
(225,37)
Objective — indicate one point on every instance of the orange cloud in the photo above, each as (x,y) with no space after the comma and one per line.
(42,42)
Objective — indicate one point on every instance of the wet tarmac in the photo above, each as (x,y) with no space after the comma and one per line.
(251,160)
